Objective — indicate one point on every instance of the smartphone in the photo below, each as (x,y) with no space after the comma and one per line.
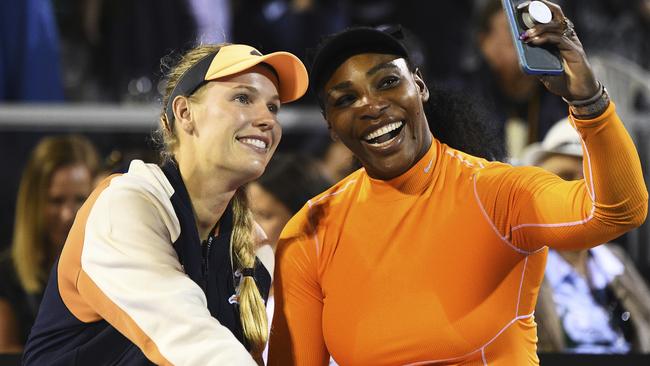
(534,60)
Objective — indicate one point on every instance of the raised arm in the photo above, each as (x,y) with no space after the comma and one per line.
(532,208)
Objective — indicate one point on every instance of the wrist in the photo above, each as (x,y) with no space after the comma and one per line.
(591,107)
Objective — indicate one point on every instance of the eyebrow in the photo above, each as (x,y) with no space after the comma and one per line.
(385,65)
(372,71)
(254,90)
(339,86)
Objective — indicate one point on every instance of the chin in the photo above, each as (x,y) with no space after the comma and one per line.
(253,169)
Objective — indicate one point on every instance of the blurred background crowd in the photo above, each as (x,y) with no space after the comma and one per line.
(80,83)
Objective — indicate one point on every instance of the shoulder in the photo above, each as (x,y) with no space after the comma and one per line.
(495,176)
(322,205)
(145,178)
(465,160)
(340,191)
(142,196)
(503,174)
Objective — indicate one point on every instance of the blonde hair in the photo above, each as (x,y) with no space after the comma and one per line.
(252,312)
(165,135)
(31,251)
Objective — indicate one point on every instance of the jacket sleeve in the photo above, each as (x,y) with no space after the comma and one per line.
(296,334)
(131,277)
(532,208)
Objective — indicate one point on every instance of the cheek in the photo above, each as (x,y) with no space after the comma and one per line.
(51,214)
(341,125)
(411,99)
(53,225)
(277,135)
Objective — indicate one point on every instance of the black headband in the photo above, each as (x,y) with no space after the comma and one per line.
(192,79)
(337,48)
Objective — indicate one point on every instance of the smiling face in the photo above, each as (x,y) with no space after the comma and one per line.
(373,104)
(231,125)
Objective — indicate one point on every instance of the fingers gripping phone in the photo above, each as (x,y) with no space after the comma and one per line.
(534,60)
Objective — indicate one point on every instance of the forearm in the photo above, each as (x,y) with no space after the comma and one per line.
(611,200)
(613,175)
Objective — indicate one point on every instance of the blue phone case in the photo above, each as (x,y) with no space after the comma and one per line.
(532,59)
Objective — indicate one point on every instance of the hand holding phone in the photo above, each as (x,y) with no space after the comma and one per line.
(535,60)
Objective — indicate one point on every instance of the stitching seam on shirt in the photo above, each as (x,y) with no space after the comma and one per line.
(331,194)
(466,162)
(590,190)
(483,356)
(489,220)
(478,349)
(521,285)
(480,204)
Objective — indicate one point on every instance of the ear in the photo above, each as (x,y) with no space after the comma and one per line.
(421,85)
(182,114)
(333,134)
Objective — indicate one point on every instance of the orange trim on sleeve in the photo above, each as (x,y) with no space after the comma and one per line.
(81,295)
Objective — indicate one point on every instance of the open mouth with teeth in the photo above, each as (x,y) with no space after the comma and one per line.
(256,143)
(384,134)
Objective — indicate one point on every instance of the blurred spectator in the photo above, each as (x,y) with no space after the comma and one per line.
(424,19)
(627,31)
(287,184)
(111,49)
(336,161)
(29,52)
(56,181)
(591,301)
(213,20)
(132,37)
(291,25)
(520,105)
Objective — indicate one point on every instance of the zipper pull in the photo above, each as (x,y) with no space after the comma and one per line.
(206,258)
(204,262)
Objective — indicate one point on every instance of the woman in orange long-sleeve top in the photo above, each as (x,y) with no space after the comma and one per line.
(428,255)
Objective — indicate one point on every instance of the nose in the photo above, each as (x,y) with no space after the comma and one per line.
(373,108)
(266,120)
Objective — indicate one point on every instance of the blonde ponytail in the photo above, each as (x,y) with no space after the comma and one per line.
(251,306)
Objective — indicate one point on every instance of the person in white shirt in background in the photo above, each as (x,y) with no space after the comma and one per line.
(591,301)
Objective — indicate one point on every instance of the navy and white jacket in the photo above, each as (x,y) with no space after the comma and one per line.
(135,285)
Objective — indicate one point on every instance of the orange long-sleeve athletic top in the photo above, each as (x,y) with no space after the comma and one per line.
(442,265)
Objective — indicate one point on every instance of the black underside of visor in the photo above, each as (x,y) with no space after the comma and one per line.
(189,82)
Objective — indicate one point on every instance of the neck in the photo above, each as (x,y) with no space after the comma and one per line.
(51,255)
(517,86)
(577,259)
(209,197)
